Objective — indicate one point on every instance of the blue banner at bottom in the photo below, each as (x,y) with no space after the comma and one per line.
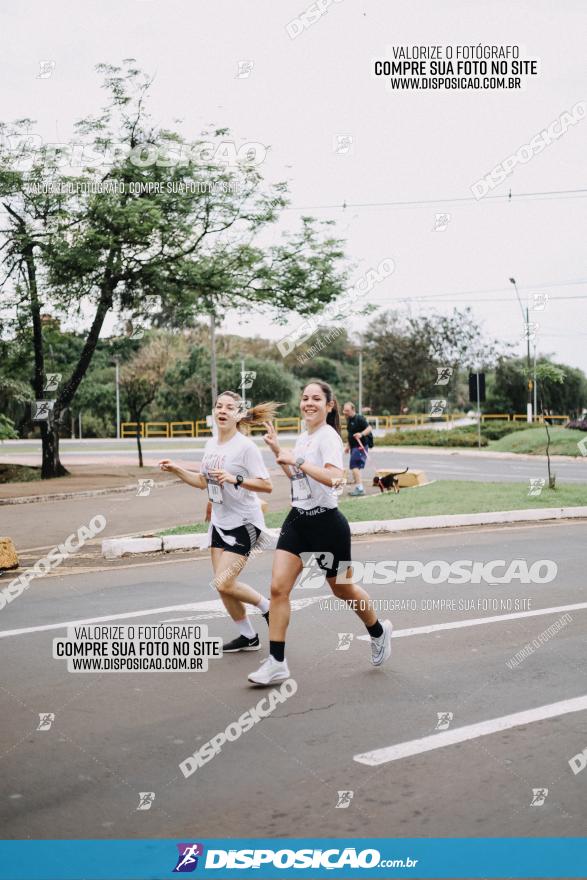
(296,857)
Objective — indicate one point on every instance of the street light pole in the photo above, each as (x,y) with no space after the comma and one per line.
(478,411)
(360,381)
(213,374)
(535,387)
(527,328)
(116,363)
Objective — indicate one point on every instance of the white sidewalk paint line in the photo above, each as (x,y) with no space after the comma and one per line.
(471,731)
(479,621)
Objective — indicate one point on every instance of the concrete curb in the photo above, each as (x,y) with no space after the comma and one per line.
(113,548)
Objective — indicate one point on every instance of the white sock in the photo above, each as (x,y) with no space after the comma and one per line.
(263,605)
(360,486)
(245,628)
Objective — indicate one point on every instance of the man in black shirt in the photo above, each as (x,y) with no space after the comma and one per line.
(358,429)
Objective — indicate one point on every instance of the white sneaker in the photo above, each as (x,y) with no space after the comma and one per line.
(381,647)
(270,671)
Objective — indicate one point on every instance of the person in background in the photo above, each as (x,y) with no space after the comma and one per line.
(360,437)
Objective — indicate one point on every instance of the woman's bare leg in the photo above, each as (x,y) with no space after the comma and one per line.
(286,568)
(361,603)
(227,567)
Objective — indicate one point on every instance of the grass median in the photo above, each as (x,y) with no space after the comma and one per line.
(502,437)
(563,441)
(440,497)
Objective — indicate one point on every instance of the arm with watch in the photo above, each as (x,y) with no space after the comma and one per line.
(253,484)
(288,460)
(324,475)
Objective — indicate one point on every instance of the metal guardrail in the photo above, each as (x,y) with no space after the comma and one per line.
(200,428)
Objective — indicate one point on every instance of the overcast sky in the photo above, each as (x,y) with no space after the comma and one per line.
(410,146)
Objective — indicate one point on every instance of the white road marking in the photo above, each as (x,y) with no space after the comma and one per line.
(479,621)
(471,731)
(296,605)
(192,606)
(208,610)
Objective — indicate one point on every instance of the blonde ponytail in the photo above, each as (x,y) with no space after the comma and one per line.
(256,415)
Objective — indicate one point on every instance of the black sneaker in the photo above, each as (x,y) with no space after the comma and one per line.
(241,643)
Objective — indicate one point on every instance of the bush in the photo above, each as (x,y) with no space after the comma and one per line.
(96,426)
(455,437)
(7,429)
(578,424)
(496,430)
(465,435)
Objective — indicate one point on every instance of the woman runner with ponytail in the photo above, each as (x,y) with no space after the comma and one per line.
(232,471)
(314,525)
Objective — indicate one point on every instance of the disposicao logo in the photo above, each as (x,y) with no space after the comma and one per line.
(187,859)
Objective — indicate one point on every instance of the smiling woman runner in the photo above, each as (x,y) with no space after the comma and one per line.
(314,525)
(232,471)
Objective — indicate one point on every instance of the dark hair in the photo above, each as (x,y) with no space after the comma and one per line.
(256,415)
(333,417)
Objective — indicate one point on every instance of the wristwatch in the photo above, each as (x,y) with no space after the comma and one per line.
(239,479)
(299,462)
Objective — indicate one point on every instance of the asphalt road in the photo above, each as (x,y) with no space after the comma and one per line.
(115,735)
(457,465)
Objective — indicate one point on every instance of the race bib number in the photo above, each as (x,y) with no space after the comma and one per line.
(300,487)
(215,492)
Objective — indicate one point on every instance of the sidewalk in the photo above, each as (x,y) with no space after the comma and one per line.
(90,479)
(169,504)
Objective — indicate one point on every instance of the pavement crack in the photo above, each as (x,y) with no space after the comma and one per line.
(305,711)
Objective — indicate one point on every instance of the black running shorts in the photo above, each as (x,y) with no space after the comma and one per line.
(240,540)
(322,532)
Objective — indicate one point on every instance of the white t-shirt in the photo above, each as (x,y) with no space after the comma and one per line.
(322,447)
(237,506)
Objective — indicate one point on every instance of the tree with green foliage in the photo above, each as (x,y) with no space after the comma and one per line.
(548,376)
(186,394)
(157,240)
(14,395)
(403,352)
(507,391)
(141,378)
(7,429)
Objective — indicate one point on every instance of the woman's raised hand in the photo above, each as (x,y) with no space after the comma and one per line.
(271,438)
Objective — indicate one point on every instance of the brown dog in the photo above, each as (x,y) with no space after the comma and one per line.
(389,482)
